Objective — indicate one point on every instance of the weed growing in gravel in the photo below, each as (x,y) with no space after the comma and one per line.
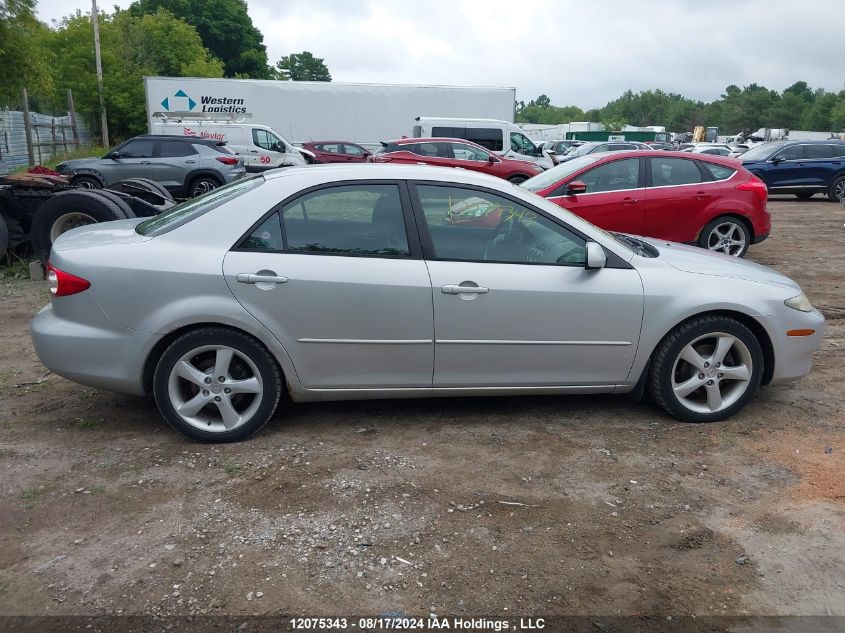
(30,493)
(232,469)
(86,423)
(98,489)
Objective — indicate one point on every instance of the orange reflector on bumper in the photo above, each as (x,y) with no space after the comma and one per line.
(800,332)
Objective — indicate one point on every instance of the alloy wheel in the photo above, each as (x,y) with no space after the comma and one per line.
(712,372)
(839,190)
(201,187)
(215,388)
(728,238)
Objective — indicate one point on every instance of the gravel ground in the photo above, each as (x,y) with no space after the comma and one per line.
(540,505)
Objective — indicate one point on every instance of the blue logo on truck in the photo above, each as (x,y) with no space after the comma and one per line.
(178,100)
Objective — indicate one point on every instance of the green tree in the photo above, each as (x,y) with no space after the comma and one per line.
(132,47)
(302,67)
(22,63)
(225,28)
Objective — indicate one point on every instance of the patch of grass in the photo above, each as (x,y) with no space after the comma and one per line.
(232,469)
(92,151)
(4,451)
(136,469)
(86,423)
(13,268)
(98,489)
(30,493)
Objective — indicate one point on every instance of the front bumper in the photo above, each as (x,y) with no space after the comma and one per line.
(100,354)
(794,354)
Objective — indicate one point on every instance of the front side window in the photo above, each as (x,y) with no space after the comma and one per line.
(462,151)
(471,225)
(673,171)
(793,152)
(138,148)
(267,140)
(818,151)
(522,144)
(347,220)
(352,150)
(613,176)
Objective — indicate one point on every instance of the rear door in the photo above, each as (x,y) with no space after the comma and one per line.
(681,197)
(820,164)
(347,292)
(615,196)
(174,159)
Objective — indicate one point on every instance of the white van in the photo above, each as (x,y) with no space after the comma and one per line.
(501,137)
(261,146)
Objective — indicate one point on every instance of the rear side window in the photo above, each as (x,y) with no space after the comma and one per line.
(347,220)
(838,150)
(435,150)
(719,172)
(818,151)
(673,171)
(173,149)
(333,148)
(490,138)
(448,132)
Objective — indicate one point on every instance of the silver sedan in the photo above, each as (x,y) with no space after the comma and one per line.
(388,281)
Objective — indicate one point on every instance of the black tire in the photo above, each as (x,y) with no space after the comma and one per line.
(201,185)
(836,193)
(267,368)
(153,186)
(93,204)
(86,182)
(4,237)
(708,238)
(804,195)
(665,363)
(116,199)
(517,179)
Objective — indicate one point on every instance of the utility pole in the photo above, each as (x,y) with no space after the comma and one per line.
(95,20)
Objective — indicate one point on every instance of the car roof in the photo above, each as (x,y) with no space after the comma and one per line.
(637,153)
(172,137)
(328,143)
(431,139)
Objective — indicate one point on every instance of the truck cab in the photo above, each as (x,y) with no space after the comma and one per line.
(502,138)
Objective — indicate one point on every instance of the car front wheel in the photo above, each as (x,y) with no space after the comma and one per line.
(726,235)
(706,369)
(217,385)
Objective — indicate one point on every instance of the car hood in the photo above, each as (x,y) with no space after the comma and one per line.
(78,163)
(102,234)
(692,259)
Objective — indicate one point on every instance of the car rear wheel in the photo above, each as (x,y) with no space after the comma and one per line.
(201,185)
(86,182)
(706,369)
(519,178)
(804,195)
(837,190)
(217,385)
(726,235)
(68,210)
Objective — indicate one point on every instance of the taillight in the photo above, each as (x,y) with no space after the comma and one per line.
(757,186)
(63,284)
(227,160)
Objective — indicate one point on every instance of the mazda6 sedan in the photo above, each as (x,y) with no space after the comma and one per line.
(355,281)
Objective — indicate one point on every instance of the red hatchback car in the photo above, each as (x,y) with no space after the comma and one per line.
(454,152)
(710,201)
(337,152)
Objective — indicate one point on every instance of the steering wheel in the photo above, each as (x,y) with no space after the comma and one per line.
(509,230)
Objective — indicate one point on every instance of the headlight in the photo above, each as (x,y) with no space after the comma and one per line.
(800,302)
(61,167)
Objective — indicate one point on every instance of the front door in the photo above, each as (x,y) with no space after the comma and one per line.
(135,161)
(785,169)
(513,303)
(346,292)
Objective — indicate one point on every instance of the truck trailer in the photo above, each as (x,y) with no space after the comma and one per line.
(305,111)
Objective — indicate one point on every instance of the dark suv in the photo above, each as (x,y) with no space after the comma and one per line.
(187,166)
(803,168)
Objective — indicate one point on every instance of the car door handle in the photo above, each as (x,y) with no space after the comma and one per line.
(454,289)
(250,278)
(190,161)
(702,194)
(253,151)
(629,201)
(146,162)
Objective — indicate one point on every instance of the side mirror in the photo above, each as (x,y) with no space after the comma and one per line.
(113,155)
(777,159)
(575,187)
(366,155)
(596,258)
(491,159)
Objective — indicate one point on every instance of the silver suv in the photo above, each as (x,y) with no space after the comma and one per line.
(185,166)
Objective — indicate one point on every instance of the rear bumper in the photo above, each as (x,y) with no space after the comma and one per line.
(760,237)
(101,355)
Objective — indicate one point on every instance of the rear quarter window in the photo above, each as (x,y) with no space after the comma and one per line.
(719,172)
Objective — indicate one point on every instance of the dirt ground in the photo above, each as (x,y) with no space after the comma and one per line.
(541,505)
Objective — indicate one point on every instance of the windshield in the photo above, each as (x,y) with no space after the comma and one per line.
(762,151)
(186,211)
(556,174)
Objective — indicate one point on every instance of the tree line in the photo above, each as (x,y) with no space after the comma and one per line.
(752,107)
(182,38)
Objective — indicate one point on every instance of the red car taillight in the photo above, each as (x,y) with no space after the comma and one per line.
(63,284)
(757,186)
(227,160)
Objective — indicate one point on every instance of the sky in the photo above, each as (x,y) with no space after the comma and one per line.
(578,52)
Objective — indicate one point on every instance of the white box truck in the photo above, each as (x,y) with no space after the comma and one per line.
(302,111)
